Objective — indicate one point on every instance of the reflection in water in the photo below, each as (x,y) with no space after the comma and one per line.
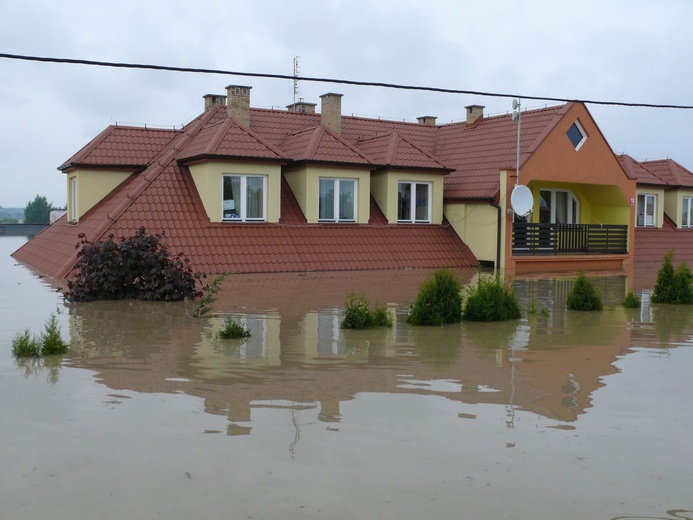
(548,363)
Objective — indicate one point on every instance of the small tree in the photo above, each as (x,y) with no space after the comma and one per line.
(491,300)
(38,211)
(583,296)
(439,301)
(673,285)
(357,314)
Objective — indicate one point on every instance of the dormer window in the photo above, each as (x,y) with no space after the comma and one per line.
(244,198)
(337,201)
(414,202)
(576,135)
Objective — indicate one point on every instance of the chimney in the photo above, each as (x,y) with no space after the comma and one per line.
(474,113)
(427,120)
(213,99)
(331,111)
(302,106)
(238,103)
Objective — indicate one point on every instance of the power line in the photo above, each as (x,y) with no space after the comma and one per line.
(331,80)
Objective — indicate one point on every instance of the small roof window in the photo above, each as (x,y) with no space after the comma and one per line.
(576,135)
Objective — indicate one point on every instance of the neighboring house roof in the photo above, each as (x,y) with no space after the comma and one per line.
(662,172)
(638,172)
(122,147)
(670,171)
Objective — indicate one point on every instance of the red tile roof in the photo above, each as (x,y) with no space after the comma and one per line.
(119,146)
(670,171)
(395,150)
(319,144)
(638,171)
(652,243)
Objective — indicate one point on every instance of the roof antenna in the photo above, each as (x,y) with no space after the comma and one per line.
(521,198)
(297,70)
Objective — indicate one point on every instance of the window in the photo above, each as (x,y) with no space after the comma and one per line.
(244,198)
(687,216)
(73,199)
(647,206)
(337,200)
(558,207)
(414,202)
(576,135)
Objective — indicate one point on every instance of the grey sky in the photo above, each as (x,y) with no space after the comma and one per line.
(616,50)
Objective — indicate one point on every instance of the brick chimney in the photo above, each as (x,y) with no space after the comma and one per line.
(302,106)
(213,99)
(331,111)
(474,113)
(427,120)
(238,103)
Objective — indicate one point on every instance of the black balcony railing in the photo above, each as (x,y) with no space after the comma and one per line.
(576,239)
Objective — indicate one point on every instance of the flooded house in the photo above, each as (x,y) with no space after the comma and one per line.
(248,190)
(664,209)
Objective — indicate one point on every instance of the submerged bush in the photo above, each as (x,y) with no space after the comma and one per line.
(357,314)
(673,285)
(233,330)
(26,344)
(631,301)
(49,343)
(439,301)
(138,267)
(492,300)
(583,296)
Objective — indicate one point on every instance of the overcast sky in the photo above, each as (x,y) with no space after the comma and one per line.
(611,50)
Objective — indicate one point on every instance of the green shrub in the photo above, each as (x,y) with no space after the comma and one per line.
(673,285)
(26,345)
(51,341)
(583,296)
(357,314)
(491,300)
(233,330)
(631,301)
(439,301)
(136,267)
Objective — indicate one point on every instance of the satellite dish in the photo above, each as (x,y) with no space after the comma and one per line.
(516,104)
(522,200)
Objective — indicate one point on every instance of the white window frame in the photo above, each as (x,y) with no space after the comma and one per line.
(335,204)
(243,212)
(687,204)
(645,197)
(412,206)
(573,207)
(582,132)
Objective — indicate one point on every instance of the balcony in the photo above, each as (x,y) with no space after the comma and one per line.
(569,239)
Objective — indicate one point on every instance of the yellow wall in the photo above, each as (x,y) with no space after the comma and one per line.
(208,181)
(305,184)
(384,186)
(673,204)
(92,186)
(476,225)
(659,202)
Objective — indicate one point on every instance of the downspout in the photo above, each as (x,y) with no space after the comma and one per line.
(498,232)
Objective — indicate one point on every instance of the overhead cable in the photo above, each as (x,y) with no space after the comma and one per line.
(196,70)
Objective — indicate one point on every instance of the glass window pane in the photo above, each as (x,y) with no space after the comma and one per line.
(575,135)
(255,198)
(232,197)
(561,207)
(404,201)
(422,202)
(346,199)
(326,201)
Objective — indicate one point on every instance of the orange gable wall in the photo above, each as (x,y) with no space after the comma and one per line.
(555,160)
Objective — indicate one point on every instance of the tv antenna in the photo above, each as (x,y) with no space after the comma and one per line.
(297,71)
(517,116)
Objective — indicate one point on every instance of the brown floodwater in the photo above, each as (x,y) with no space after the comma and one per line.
(557,415)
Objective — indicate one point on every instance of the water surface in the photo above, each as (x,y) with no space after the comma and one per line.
(557,415)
